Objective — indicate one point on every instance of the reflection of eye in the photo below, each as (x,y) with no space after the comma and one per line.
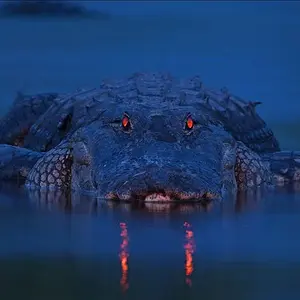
(126,125)
(189,124)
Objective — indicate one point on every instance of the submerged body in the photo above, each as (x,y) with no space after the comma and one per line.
(149,137)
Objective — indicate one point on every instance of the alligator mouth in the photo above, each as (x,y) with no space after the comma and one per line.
(161,207)
(162,196)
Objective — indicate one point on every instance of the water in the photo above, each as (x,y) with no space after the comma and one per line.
(244,250)
(250,48)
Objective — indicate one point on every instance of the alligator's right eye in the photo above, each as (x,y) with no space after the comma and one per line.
(126,124)
(189,123)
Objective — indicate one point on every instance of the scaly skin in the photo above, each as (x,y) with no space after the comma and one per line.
(25,111)
(16,162)
(156,158)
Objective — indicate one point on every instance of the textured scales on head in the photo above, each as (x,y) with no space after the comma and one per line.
(26,109)
(230,142)
(70,112)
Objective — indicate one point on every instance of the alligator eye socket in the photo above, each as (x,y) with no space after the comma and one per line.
(189,124)
(126,123)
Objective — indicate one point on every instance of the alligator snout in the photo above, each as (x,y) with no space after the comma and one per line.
(163,196)
(164,184)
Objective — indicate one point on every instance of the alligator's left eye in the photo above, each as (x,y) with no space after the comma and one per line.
(126,124)
(189,123)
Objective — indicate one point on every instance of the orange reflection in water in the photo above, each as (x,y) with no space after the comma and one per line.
(124,257)
(189,248)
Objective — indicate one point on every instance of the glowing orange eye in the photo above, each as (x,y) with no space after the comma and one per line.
(189,123)
(126,123)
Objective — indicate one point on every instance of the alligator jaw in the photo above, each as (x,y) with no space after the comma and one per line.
(157,197)
(163,196)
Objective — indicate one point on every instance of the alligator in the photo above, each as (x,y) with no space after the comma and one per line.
(149,137)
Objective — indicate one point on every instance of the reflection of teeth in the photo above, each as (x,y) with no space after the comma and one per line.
(157,207)
(157,198)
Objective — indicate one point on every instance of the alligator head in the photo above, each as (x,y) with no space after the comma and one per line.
(143,153)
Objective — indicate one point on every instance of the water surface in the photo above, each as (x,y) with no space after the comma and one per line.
(244,249)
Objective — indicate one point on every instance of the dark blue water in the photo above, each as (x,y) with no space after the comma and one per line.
(248,248)
(251,48)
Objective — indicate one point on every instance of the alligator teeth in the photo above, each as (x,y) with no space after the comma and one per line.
(209,196)
(157,197)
